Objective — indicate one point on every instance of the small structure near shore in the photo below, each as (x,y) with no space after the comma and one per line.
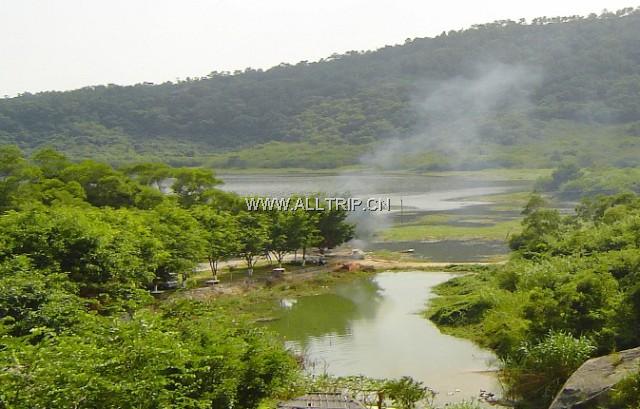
(321,401)
(278,272)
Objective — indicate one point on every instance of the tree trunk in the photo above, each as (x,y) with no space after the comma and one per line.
(304,256)
(380,399)
(213,264)
(249,260)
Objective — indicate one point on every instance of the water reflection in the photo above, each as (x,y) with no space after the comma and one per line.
(372,327)
(319,315)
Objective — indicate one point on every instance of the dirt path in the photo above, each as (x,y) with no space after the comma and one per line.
(336,264)
(409,264)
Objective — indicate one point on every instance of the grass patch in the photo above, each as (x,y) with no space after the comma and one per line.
(465,226)
(497,174)
(512,201)
(498,231)
(473,307)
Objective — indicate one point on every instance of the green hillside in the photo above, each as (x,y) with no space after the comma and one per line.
(567,82)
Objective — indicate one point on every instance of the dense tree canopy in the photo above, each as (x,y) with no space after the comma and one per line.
(81,244)
(569,291)
(589,70)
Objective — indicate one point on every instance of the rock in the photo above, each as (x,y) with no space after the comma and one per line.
(350,267)
(589,386)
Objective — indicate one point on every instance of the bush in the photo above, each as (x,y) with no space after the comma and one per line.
(146,361)
(466,310)
(406,392)
(537,371)
(626,394)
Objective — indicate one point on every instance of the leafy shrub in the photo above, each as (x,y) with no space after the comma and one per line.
(145,362)
(466,310)
(626,394)
(537,371)
(406,392)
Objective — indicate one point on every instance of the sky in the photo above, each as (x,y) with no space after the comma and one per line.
(68,44)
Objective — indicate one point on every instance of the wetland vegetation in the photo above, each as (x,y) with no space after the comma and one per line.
(568,292)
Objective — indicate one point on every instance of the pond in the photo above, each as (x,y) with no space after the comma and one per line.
(374,327)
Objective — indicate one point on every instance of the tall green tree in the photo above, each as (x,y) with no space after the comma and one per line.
(222,235)
(334,229)
(100,250)
(193,185)
(280,230)
(183,241)
(16,178)
(149,173)
(50,162)
(254,237)
(303,231)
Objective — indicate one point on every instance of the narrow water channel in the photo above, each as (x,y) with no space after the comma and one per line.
(373,327)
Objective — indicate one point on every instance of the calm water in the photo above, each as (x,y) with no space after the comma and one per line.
(420,195)
(373,327)
(418,192)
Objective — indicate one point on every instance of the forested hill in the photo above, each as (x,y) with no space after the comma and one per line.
(588,68)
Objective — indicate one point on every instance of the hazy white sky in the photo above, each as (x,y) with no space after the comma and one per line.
(66,44)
